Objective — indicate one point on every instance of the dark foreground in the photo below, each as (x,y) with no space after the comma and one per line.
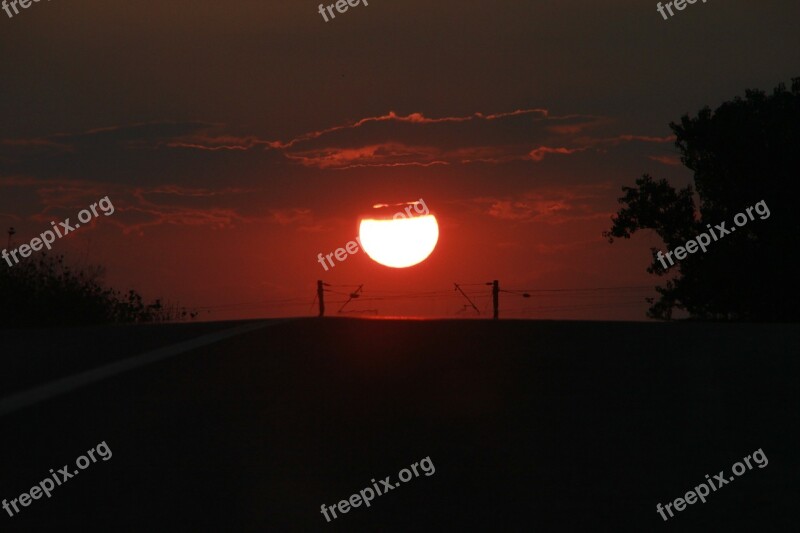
(531,426)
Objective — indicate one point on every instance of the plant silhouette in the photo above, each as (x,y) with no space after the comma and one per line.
(745,151)
(47,292)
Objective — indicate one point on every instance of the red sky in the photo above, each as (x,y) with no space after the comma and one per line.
(239,141)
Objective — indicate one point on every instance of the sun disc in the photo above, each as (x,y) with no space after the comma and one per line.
(399,243)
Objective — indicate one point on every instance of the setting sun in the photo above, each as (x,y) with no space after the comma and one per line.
(399,243)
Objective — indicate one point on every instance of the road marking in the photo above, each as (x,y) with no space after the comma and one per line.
(61,386)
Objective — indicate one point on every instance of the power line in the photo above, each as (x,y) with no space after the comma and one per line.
(472,294)
(588,289)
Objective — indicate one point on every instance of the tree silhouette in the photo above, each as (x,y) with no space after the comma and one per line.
(744,152)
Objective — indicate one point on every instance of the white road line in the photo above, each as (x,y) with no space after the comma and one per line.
(61,386)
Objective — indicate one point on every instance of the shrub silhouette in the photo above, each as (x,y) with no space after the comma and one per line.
(45,291)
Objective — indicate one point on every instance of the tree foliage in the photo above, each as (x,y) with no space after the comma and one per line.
(745,151)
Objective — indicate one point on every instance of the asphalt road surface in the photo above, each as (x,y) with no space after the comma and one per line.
(519,426)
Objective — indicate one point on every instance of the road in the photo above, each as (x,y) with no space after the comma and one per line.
(531,426)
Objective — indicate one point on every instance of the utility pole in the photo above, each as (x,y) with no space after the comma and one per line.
(496,298)
(321,298)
